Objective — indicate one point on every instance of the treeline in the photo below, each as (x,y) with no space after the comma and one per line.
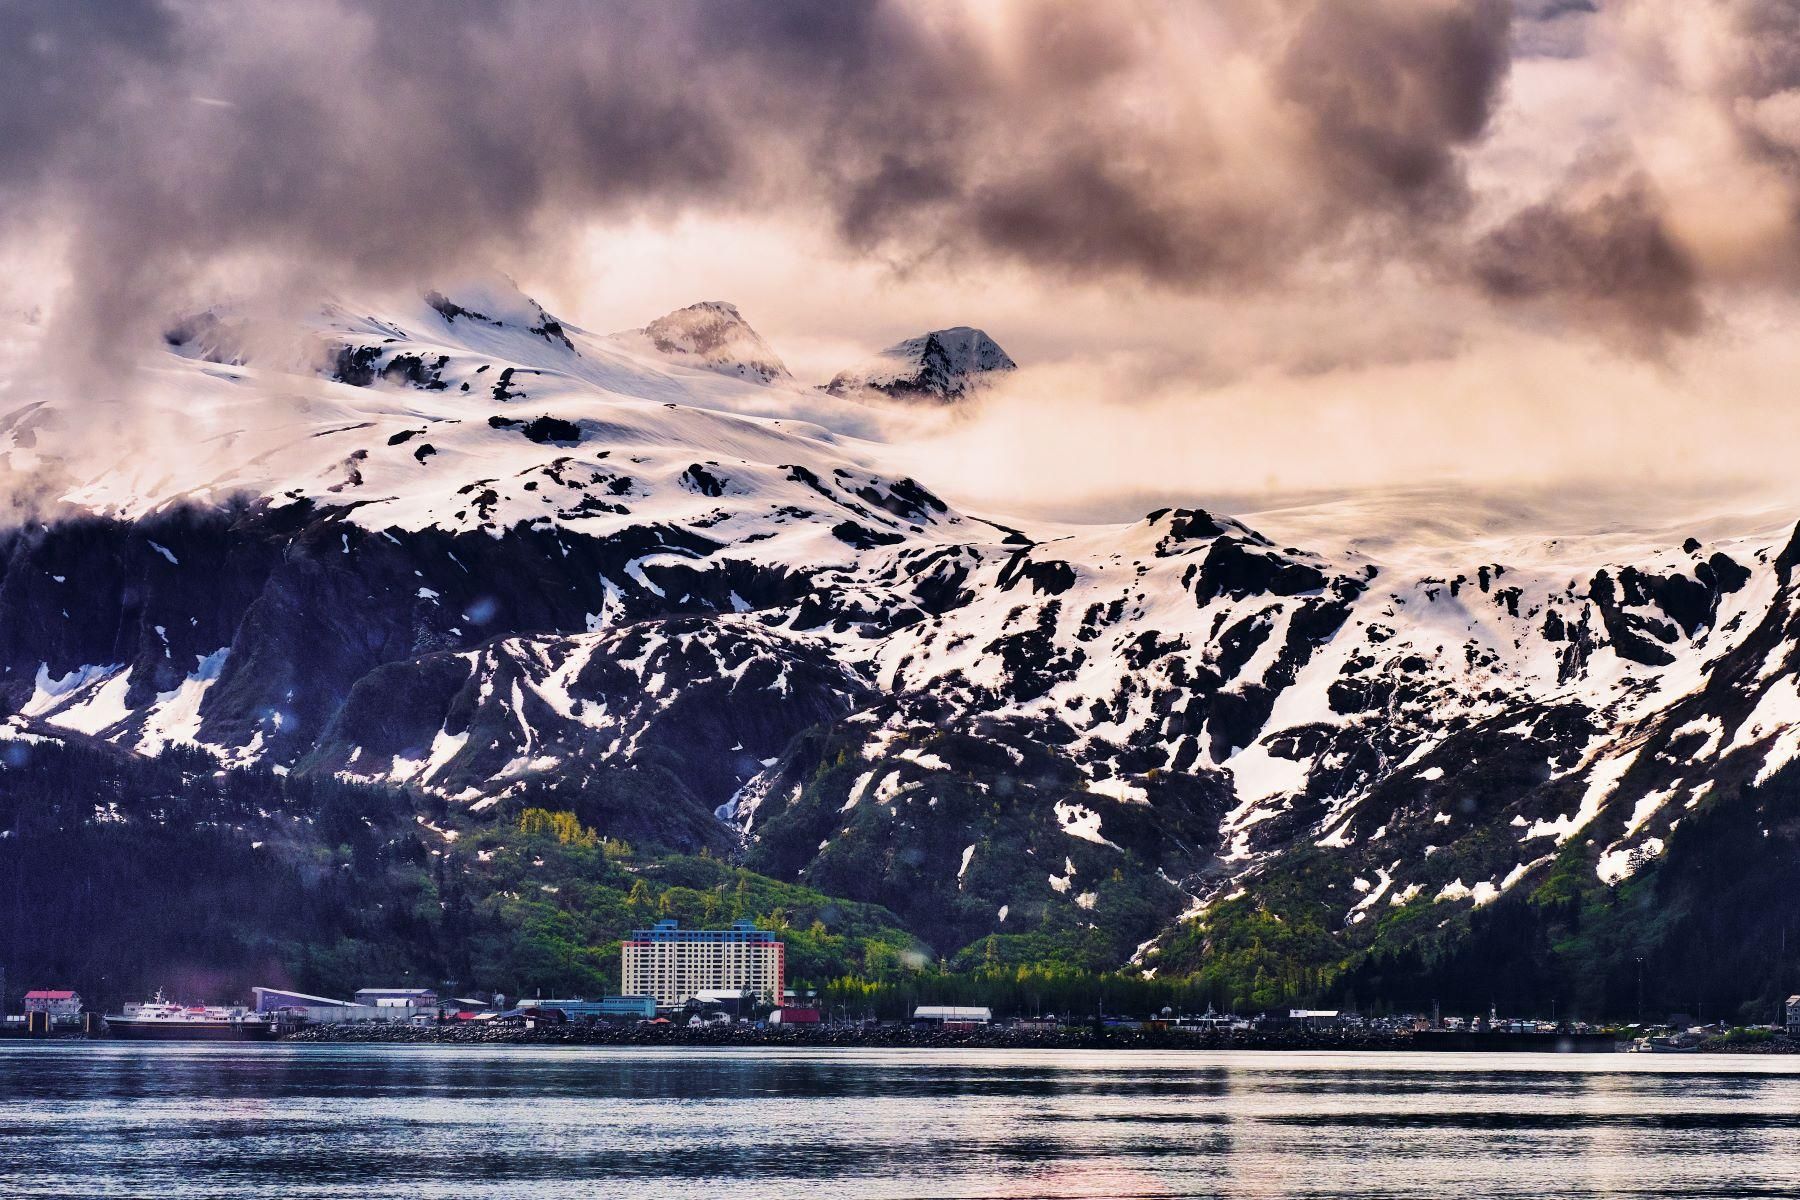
(1018,992)
(1709,929)
(120,875)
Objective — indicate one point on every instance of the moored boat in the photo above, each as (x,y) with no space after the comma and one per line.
(162,1020)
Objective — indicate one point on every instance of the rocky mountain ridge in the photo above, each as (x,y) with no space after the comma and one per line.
(937,367)
(482,552)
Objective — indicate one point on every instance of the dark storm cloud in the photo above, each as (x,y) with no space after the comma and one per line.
(394,140)
(1051,159)
(1757,83)
(1188,146)
(1700,196)
(1610,258)
(1393,90)
(65,66)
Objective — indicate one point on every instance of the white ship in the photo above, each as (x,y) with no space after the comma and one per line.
(162,1020)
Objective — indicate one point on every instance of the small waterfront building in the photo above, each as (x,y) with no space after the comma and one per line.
(726,1005)
(1315,1018)
(397,997)
(638,1007)
(269,1000)
(64,1007)
(302,1008)
(1793,1015)
(607,1008)
(675,964)
(794,1016)
(952,1015)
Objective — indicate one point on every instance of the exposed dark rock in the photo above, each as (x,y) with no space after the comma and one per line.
(698,478)
(355,365)
(861,537)
(1051,577)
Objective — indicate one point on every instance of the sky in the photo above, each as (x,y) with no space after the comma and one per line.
(1243,250)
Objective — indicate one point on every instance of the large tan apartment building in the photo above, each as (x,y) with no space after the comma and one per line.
(675,964)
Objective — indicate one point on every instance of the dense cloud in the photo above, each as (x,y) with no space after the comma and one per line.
(165,146)
(1691,193)
(1186,146)
(1609,258)
(1181,144)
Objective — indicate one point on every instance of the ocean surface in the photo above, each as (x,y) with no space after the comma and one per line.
(84,1119)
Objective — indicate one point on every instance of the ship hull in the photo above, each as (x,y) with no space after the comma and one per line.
(190,1031)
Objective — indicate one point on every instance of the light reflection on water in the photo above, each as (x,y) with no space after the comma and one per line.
(114,1119)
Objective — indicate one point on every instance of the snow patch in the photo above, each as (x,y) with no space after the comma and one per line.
(1620,863)
(1078,820)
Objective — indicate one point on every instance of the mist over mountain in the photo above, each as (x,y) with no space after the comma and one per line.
(940,366)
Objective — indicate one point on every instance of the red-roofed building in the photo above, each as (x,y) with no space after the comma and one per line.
(794,1016)
(64,1007)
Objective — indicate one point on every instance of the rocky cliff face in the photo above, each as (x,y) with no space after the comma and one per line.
(937,367)
(492,554)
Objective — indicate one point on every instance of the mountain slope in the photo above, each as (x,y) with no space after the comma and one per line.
(467,549)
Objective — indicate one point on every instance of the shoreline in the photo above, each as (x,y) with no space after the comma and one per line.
(991,1038)
(900,1037)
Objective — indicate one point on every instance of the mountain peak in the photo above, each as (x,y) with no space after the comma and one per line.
(714,335)
(941,366)
(496,300)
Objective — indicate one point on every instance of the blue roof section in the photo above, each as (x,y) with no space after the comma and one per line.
(606,1006)
(671,931)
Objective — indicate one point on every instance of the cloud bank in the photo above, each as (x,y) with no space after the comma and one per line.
(1335,187)
(1181,146)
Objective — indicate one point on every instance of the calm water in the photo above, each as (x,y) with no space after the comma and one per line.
(113,1119)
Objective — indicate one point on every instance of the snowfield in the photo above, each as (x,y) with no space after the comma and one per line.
(471,548)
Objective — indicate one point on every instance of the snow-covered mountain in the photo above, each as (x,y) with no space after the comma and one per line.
(714,334)
(468,548)
(940,367)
